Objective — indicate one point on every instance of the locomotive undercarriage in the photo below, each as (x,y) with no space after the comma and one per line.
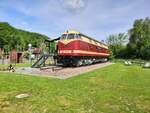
(79,60)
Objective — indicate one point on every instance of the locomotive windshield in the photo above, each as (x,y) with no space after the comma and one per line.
(63,36)
(70,36)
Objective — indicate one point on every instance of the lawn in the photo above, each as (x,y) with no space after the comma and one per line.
(113,89)
(25,64)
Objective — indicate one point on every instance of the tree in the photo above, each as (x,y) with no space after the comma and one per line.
(117,43)
(11,38)
(139,39)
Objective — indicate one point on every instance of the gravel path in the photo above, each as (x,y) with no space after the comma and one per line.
(59,72)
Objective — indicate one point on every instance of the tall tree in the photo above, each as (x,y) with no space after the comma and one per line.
(139,39)
(116,43)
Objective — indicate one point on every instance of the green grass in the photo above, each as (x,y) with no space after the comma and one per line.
(113,89)
(132,60)
(25,64)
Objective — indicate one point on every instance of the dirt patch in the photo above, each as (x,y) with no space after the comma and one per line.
(60,72)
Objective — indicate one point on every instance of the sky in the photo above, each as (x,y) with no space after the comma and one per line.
(95,18)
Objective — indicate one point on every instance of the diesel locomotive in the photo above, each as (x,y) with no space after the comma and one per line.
(76,49)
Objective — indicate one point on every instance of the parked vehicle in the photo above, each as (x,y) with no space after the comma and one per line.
(76,49)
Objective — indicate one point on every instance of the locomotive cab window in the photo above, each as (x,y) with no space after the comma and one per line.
(77,36)
(71,36)
(63,36)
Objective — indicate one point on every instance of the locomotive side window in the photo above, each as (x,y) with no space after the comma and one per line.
(98,48)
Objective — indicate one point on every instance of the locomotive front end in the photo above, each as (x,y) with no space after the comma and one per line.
(68,43)
(67,47)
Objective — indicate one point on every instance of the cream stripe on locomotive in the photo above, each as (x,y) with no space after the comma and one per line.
(93,42)
(81,51)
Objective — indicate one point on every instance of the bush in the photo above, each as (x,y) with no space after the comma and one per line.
(145,52)
(26,54)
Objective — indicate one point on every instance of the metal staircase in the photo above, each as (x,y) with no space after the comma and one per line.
(52,45)
(40,62)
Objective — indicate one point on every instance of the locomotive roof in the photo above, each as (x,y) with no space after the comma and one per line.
(71,31)
(93,39)
(77,32)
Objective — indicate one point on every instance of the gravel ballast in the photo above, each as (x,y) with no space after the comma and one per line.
(60,72)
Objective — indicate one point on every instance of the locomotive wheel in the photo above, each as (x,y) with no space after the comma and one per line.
(79,63)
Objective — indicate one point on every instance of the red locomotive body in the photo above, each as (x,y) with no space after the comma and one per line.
(77,49)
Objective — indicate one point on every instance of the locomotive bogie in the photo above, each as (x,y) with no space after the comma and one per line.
(79,61)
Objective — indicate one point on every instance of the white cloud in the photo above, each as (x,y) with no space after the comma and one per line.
(73,5)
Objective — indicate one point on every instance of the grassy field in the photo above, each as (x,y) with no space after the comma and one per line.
(113,89)
(26,64)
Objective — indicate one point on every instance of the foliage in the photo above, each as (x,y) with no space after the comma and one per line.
(113,89)
(139,39)
(44,48)
(26,54)
(11,37)
(116,44)
(111,57)
(138,45)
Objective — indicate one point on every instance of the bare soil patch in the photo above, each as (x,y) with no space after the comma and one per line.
(60,72)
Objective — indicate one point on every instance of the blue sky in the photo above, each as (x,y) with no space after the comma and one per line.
(95,18)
